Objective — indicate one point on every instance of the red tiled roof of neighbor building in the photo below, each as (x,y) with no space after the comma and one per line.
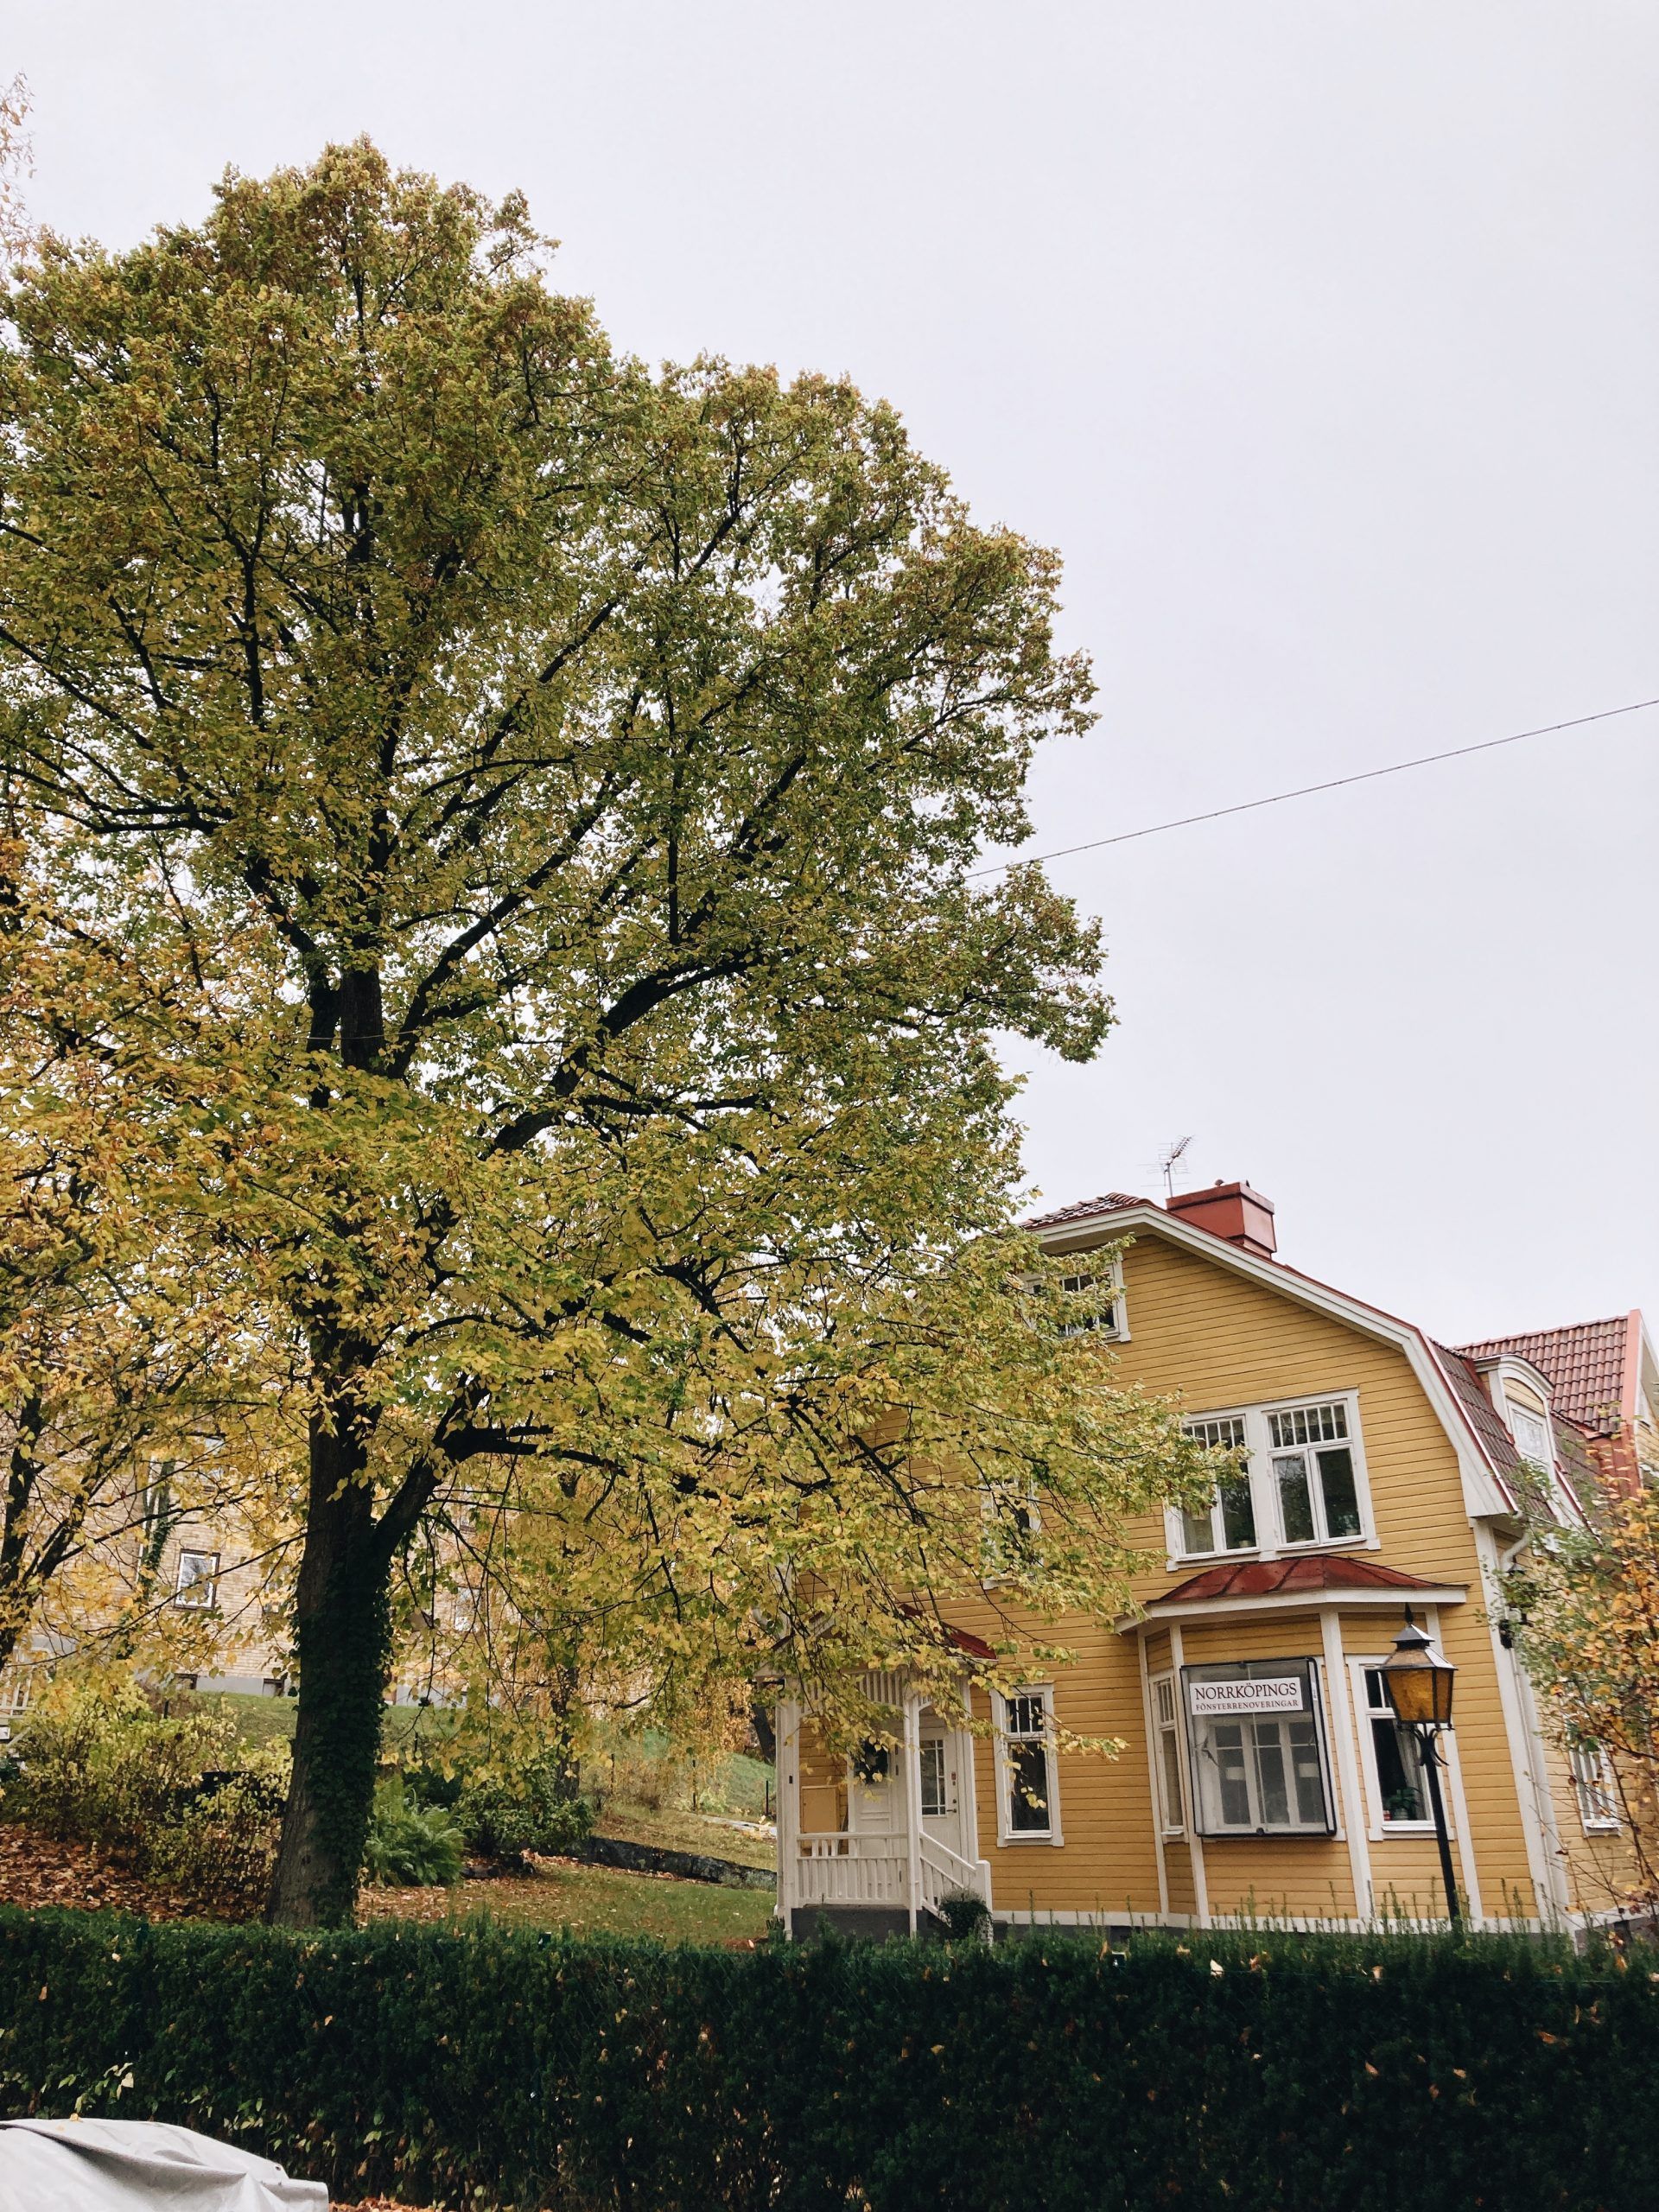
(1108,1202)
(1267,1578)
(1585,1365)
(1479,1412)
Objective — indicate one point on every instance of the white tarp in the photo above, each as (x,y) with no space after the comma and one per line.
(138,2165)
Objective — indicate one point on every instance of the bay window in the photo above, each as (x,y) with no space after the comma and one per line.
(1167,1719)
(1259,1760)
(1400,1789)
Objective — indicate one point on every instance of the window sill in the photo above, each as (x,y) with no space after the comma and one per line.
(1270,1835)
(1360,1543)
(1405,1832)
(1015,1842)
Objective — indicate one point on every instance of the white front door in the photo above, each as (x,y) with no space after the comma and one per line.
(875,1792)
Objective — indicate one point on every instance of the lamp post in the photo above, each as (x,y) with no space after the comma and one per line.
(1418,1679)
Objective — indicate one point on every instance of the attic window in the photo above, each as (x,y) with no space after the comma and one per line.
(1103,1288)
(1531,1434)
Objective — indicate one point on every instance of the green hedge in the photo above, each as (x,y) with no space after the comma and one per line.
(1048,2076)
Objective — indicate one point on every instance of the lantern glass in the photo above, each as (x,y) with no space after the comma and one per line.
(1418,1679)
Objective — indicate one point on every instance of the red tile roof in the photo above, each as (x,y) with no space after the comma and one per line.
(1108,1202)
(1267,1578)
(1481,1413)
(1585,1365)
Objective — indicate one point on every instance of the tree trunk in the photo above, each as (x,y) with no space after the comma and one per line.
(342,1622)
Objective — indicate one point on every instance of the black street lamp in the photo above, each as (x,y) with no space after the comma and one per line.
(1418,1679)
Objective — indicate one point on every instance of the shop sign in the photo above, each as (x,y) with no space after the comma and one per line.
(1247,1694)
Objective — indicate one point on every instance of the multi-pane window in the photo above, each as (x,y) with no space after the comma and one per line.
(1105,1311)
(935,1801)
(1594,1786)
(1258,1751)
(197,1583)
(1167,1721)
(1028,1765)
(1313,1472)
(1296,1478)
(1397,1757)
(1531,1434)
(1228,1523)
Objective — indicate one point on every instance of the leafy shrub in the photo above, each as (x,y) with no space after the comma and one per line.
(965,1915)
(1263,2073)
(220,1849)
(410,1845)
(101,1764)
(528,1806)
(179,1794)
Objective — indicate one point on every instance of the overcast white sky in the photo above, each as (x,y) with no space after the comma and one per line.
(1322,340)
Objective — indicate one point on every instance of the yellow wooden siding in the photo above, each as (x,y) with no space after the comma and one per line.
(1601,1867)
(1216,1341)
(1203,1334)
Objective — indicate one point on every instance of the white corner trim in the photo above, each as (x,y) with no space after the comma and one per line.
(1339,1693)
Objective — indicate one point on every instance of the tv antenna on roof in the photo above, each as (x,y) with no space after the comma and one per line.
(1166,1159)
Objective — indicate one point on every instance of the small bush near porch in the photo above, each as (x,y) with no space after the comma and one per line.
(503,2068)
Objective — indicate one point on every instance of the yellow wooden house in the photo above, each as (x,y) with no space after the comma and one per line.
(1262,1774)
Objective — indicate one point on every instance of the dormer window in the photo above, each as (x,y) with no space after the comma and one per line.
(1531,1434)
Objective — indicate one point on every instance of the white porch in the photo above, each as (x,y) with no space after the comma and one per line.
(906,1836)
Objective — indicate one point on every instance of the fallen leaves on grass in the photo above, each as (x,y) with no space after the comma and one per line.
(36,1871)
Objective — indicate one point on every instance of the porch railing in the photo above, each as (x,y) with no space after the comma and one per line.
(835,1869)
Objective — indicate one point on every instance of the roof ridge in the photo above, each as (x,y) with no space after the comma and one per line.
(1562,1329)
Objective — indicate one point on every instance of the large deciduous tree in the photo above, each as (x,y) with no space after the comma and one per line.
(598,760)
(126,1341)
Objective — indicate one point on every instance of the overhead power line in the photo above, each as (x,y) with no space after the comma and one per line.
(1307,791)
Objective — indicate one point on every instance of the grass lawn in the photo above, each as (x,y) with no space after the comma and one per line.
(588,1901)
(672,1829)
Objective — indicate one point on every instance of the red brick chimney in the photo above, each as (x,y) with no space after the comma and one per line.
(1232,1210)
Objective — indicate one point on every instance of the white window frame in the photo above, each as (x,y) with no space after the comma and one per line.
(1220,1549)
(1007,1833)
(1260,1452)
(1548,1469)
(1114,1322)
(1168,1751)
(1308,1670)
(1381,1827)
(208,1582)
(1595,1788)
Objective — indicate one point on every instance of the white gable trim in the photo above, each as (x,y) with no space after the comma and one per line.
(1485,1494)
